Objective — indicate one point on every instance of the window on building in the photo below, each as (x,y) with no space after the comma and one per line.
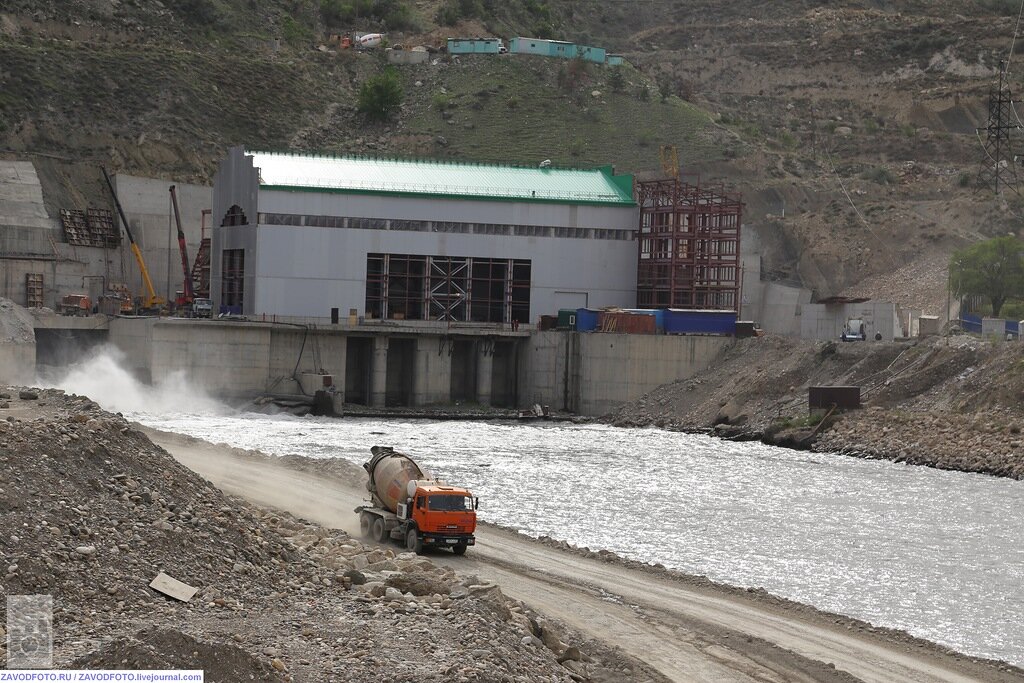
(234,216)
(232,288)
(454,288)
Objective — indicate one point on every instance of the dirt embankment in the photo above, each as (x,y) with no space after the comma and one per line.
(952,403)
(91,511)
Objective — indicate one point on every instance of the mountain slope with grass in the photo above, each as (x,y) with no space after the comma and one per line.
(850,129)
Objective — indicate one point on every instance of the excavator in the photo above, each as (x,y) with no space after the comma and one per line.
(151,303)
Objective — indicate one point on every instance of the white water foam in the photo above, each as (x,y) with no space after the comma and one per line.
(104,378)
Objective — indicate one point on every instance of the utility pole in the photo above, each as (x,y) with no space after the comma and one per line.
(999,163)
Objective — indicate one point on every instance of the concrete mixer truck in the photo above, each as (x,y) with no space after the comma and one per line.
(408,506)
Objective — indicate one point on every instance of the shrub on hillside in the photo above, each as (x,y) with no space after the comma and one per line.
(381,96)
(453,10)
(394,14)
(199,12)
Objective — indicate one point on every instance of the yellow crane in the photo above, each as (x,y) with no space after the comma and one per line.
(151,301)
(669,160)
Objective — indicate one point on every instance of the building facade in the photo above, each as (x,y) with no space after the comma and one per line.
(393,239)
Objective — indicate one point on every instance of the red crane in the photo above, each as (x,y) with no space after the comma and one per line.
(189,292)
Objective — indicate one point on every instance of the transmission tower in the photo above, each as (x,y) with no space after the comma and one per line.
(999,165)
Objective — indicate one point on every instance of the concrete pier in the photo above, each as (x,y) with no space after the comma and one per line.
(379,372)
(484,371)
(432,383)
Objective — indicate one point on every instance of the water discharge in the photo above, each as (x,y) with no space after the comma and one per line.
(103,378)
(939,554)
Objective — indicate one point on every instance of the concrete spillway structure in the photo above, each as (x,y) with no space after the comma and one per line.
(381,365)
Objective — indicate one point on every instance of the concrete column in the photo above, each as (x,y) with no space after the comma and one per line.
(432,374)
(379,372)
(484,372)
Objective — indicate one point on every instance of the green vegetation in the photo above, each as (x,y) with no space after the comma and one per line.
(453,10)
(880,175)
(440,101)
(537,121)
(294,33)
(392,14)
(993,269)
(381,96)
(199,12)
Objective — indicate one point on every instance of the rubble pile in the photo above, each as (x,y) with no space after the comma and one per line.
(946,402)
(91,511)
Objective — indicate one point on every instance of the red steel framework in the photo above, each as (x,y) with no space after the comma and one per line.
(689,240)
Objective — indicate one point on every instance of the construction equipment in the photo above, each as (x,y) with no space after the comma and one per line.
(75,304)
(669,160)
(151,302)
(188,293)
(410,507)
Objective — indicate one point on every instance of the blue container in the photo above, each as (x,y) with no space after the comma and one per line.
(586,319)
(684,321)
(658,313)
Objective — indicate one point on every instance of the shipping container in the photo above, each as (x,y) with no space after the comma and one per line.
(586,319)
(548,322)
(623,322)
(686,321)
(658,313)
(566,319)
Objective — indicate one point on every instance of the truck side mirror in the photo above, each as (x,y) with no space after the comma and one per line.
(476,503)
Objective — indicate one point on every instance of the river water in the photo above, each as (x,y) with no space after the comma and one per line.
(939,554)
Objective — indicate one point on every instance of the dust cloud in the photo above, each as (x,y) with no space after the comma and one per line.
(105,379)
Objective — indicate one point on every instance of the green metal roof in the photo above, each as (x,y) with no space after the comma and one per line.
(453,180)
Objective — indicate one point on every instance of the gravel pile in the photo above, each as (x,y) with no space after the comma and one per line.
(91,511)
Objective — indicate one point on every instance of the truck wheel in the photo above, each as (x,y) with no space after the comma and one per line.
(380,533)
(459,549)
(365,524)
(413,542)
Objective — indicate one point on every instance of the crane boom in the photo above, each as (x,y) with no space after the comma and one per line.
(152,300)
(183,248)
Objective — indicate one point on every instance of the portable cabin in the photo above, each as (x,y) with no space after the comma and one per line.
(598,55)
(474,46)
(615,60)
(542,47)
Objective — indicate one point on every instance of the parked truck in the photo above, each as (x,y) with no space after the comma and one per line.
(414,509)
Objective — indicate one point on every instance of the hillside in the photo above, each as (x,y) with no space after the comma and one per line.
(782,100)
(951,403)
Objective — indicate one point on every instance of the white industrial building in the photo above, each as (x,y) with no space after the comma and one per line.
(298,236)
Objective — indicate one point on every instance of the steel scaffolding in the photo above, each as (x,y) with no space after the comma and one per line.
(689,246)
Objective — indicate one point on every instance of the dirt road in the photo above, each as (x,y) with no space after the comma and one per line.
(685,630)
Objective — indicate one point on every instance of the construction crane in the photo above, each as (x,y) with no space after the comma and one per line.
(669,160)
(188,292)
(151,301)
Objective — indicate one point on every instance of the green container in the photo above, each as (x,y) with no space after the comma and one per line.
(567,318)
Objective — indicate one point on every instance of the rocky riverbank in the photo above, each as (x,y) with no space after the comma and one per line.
(92,511)
(951,403)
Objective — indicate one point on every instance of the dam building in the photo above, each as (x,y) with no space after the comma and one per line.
(426,269)
(298,236)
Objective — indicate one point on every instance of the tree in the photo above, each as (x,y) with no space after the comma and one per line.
(993,269)
(381,95)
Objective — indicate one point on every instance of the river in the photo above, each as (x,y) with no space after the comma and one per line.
(938,554)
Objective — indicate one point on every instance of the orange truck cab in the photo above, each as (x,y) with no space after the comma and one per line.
(413,509)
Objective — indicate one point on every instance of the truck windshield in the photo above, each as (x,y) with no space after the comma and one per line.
(449,502)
